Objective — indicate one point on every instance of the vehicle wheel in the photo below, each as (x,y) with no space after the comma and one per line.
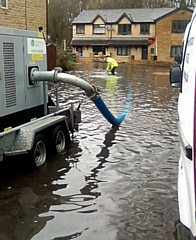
(38,152)
(59,139)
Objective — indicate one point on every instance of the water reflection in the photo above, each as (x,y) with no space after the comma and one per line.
(112,182)
(23,196)
(111,84)
(182,233)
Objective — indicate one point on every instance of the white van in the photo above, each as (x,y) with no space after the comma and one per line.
(184,77)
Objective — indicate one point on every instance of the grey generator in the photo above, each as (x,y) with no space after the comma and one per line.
(29,124)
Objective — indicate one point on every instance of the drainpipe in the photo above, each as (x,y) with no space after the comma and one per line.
(25,14)
(110,33)
(47,5)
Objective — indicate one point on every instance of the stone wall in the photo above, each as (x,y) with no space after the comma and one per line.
(24,14)
(165,38)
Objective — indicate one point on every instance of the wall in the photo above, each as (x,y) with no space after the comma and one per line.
(24,14)
(165,38)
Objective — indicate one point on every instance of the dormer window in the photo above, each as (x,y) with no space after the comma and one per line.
(80,29)
(99,29)
(124,29)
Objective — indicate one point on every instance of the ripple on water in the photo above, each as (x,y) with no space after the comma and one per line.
(112,182)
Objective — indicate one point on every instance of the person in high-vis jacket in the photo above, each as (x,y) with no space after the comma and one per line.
(111,64)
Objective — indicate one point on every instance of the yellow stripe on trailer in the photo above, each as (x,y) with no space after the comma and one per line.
(7,129)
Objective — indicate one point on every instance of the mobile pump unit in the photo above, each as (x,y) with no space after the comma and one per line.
(26,123)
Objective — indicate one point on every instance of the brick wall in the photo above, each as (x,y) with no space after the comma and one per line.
(165,38)
(24,14)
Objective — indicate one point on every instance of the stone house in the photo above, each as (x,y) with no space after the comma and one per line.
(24,14)
(28,15)
(130,35)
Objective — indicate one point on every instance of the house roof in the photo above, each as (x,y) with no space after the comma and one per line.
(137,14)
(109,42)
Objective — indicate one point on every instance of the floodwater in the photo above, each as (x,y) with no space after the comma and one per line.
(111,183)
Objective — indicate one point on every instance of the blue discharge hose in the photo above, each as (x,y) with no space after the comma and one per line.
(55,76)
(106,112)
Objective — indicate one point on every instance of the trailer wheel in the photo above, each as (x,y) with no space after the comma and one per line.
(59,139)
(38,152)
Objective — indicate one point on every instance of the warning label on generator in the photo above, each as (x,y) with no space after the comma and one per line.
(37,57)
(36,46)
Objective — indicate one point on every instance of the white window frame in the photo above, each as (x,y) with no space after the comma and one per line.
(99,29)
(80,29)
(6,4)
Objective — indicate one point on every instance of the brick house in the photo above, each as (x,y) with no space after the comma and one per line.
(24,14)
(152,34)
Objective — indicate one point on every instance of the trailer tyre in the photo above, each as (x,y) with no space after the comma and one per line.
(38,152)
(59,139)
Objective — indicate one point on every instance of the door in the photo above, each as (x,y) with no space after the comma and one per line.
(144,52)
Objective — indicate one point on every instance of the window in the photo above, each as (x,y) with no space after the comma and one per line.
(178,26)
(152,50)
(175,50)
(123,51)
(97,49)
(145,28)
(80,29)
(4,3)
(98,28)
(124,29)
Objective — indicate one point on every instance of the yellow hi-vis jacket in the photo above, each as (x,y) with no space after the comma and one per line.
(111,62)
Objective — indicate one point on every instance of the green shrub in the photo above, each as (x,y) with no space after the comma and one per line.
(65,59)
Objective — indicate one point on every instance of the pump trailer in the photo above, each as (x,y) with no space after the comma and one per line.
(28,123)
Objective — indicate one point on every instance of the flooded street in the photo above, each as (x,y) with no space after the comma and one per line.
(112,183)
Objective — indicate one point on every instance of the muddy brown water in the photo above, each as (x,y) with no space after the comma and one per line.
(111,183)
